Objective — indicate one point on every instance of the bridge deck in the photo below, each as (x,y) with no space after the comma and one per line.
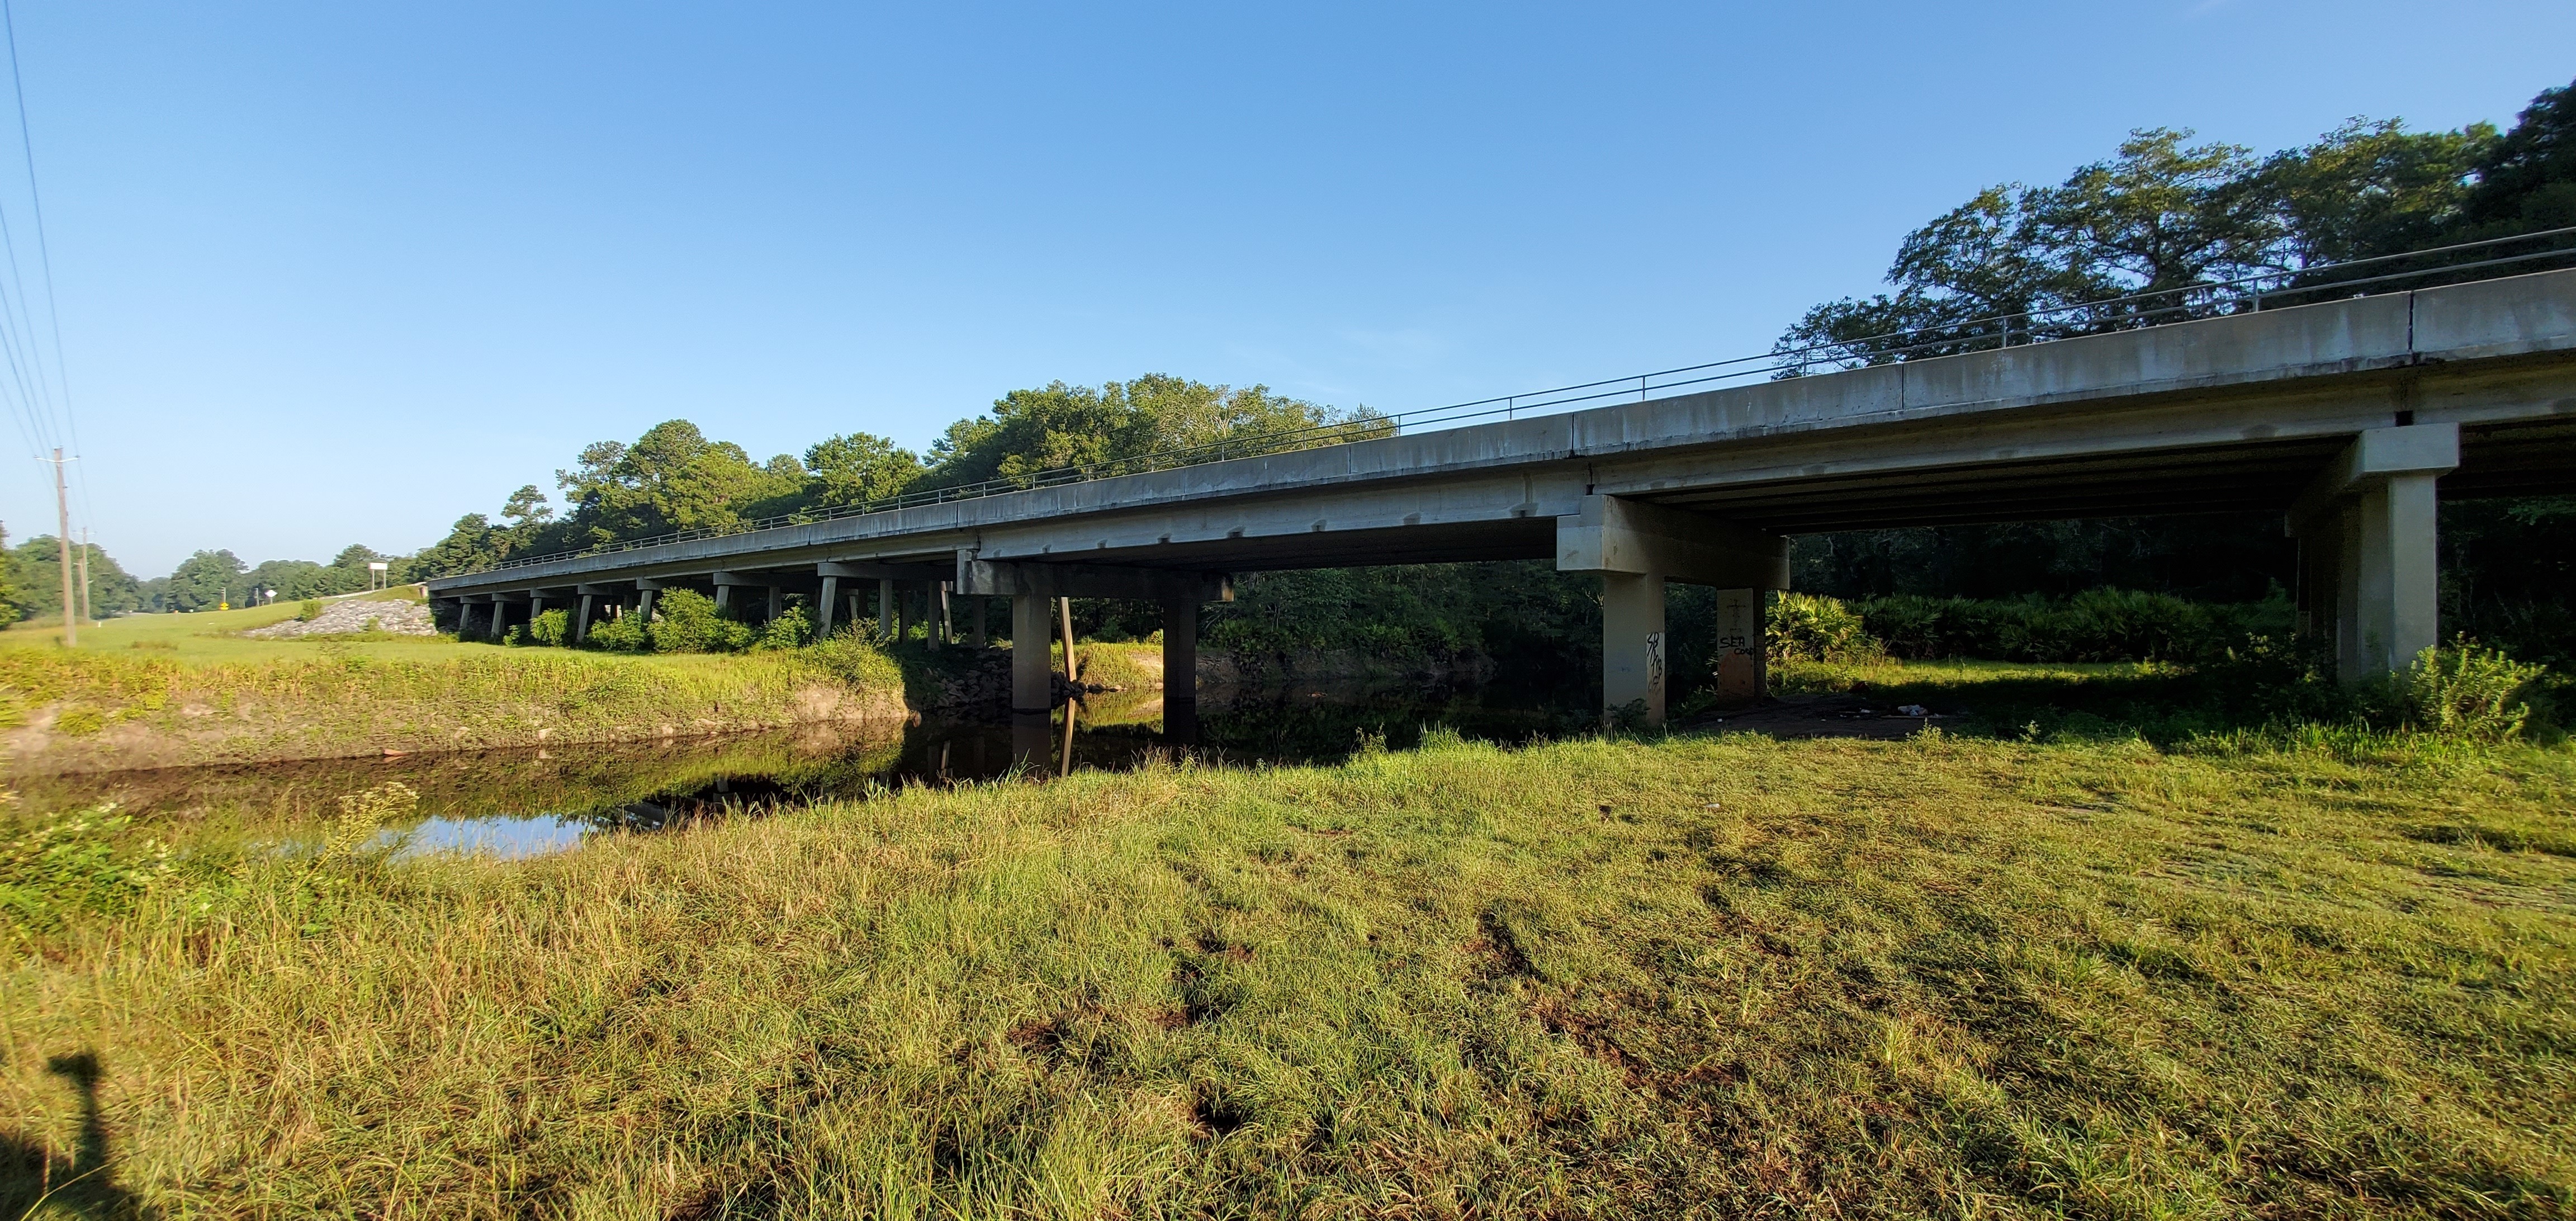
(2233,413)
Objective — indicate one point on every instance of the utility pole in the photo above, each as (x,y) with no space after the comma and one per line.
(63,510)
(89,614)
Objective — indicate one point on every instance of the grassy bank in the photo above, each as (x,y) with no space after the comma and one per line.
(2318,974)
(162,690)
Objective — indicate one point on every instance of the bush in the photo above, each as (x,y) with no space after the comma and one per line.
(624,634)
(2466,691)
(855,657)
(1812,627)
(308,610)
(685,621)
(551,628)
(787,631)
(2096,625)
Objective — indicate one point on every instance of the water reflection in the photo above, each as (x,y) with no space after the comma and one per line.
(517,803)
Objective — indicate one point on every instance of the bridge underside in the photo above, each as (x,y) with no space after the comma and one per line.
(2350,419)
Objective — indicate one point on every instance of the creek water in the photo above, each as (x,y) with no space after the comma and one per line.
(515,803)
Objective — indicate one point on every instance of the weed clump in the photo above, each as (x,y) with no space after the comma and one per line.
(2466,692)
(75,863)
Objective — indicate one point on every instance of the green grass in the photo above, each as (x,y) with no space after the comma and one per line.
(220,698)
(2312,973)
(215,636)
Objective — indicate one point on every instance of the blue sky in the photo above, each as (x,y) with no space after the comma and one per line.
(337,273)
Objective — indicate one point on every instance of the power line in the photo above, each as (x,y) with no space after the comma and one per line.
(44,248)
(61,398)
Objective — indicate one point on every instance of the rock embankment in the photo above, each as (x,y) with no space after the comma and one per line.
(399,617)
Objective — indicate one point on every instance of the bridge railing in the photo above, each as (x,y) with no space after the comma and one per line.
(2205,299)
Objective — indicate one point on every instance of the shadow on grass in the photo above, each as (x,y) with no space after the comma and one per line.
(35,1181)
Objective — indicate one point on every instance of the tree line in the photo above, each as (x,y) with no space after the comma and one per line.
(675,478)
(2164,213)
(31,584)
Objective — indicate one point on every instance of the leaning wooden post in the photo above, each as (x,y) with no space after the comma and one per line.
(1064,617)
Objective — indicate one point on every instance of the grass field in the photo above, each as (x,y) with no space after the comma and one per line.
(2297,974)
(163,690)
(214,636)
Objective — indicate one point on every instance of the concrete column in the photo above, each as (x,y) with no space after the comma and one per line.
(581,618)
(825,605)
(2367,557)
(644,604)
(2389,612)
(1632,645)
(1636,547)
(934,605)
(777,602)
(500,618)
(464,620)
(981,606)
(1743,648)
(1181,672)
(1032,674)
(902,616)
(724,600)
(536,607)
(885,608)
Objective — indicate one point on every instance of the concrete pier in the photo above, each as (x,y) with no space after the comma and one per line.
(1637,547)
(1032,677)
(2367,548)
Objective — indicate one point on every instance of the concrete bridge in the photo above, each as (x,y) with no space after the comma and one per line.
(2350,418)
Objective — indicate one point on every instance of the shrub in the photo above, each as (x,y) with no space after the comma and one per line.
(685,621)
(308,610)
(624,633)
(1812,627)
(552,627)
(855,657)
(2097,625)
(787,631)
(2466,691)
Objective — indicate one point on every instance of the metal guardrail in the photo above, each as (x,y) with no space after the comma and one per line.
(2190,302)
